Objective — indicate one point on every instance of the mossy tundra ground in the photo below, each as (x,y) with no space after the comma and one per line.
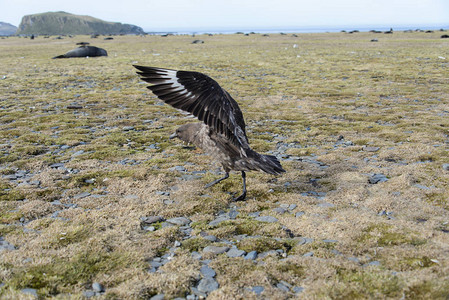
(361,128)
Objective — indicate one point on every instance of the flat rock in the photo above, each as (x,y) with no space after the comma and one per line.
(370,149)
(181,221)
(30,291)
(445,167)
(152,219)
(234,252)
(81,195)
(251,255)
(4,245)
(258,289)
(376,178)
(207,285)
(207,271)
(216,249)
(268,219)
(97,287)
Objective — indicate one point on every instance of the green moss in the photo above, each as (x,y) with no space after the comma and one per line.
(413,263)
(62,275)
(70,236)
(428,289)
(383,235)
(195,244)
(363,284)
(8,193)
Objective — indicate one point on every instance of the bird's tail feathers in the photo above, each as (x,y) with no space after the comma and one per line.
(267,163)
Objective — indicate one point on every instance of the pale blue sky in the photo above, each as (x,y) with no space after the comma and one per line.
(159,15)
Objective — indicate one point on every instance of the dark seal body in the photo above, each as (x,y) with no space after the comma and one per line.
(84,51)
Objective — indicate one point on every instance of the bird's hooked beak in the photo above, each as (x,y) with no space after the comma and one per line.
(173,136)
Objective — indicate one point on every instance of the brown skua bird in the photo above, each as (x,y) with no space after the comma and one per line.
(221,133)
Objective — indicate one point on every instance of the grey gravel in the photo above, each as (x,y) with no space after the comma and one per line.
(207,271)
(211,238)
(97,287)
(325,205)
(354,259)
(4,245)
(179,221)
(218,220)
(89,294)
(216,249)
(330,241)
(445,167)
(372,263)
(370,149)
(299,214)
(267,253)
(158,297)
(207,285)
(30,291)
(234,252)
(268,219)
(258,289)
(279,210)
(282,287)
(376,178)
(81,195)
(251,255)
(297,289)
(152,219)
(308,254)
(423,187)
(128,128)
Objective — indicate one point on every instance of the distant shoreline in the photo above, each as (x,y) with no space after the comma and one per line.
(300,29)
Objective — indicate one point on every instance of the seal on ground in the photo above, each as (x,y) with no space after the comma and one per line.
(84,51)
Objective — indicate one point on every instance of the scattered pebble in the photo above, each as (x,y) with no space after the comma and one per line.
(258,289)
(81,195)
(128,128)
(4,245)
(268,219)
(251,255)
(370,149)
(234,252)
(158,297)
(30,291)
(181,221)
(299,214)
(97,287)
(376,178)
(152,219)
(445,167)
(297,289)
(422,187)
(207,271)
(216,249)
(207,285)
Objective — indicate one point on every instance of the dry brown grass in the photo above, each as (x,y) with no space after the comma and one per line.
(392,94)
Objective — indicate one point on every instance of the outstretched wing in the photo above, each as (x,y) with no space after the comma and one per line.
(201,96)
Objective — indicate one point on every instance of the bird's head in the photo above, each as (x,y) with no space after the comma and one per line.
(187,133)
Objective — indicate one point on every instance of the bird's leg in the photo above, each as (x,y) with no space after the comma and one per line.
(217,181)
(243,195)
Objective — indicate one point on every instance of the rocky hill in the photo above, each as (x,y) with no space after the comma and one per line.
(7,29)
(55,23)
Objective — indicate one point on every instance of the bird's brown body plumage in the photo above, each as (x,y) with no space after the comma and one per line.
(222,133)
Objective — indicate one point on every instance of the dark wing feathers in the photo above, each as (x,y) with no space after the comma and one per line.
(201,96)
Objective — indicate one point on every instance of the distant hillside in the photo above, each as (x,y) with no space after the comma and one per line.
(55,23)
(7,29)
